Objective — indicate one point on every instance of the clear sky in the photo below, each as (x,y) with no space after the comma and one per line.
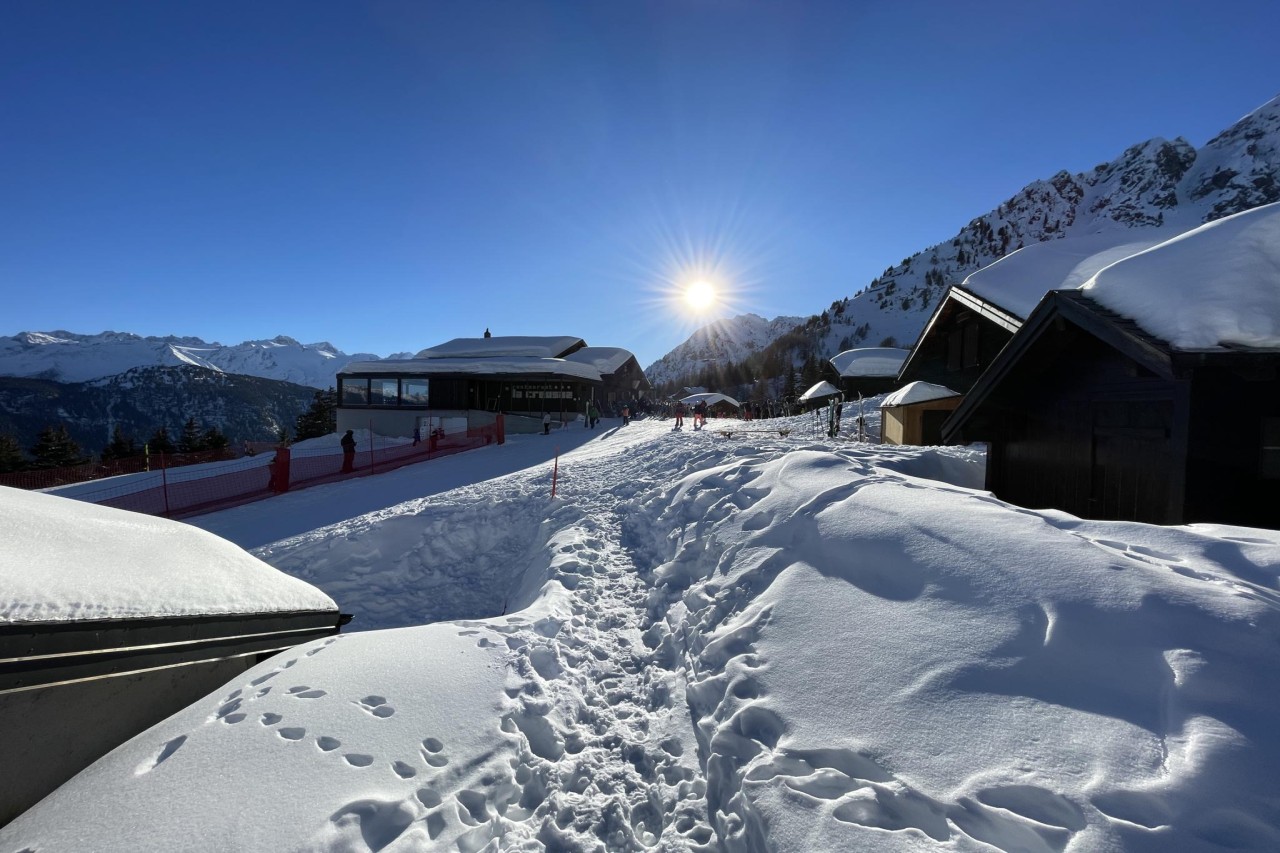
(388,175)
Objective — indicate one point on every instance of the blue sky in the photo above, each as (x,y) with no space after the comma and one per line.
(388,175)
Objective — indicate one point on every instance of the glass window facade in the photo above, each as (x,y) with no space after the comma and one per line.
(413,392)
(355,392)
(383,391)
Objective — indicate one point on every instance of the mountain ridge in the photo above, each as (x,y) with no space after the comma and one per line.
(72,357)
(1156,187)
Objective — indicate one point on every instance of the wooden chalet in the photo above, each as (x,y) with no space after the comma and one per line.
(868,371)
(1085,412)
(914,414)
(963,336)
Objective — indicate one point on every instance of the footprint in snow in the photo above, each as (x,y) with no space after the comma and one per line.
(304,692)
(376,705)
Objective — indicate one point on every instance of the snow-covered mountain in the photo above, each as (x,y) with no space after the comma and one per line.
(720,342)
(70,357)
(1153,191)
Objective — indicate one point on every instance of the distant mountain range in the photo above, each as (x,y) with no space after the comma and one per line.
(1155,190)
(71,357)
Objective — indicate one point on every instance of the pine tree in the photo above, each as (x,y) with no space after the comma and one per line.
(11,456)
(160,442)
(321,418)
(192,439)
(214,439)
(121,446)
(55,449)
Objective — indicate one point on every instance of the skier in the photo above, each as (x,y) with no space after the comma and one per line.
(546,423)
(679,417)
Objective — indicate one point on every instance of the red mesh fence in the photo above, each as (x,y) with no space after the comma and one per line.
(48,478)
(177,491)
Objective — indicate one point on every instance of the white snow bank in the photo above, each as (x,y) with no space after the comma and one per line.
(917,392)
(880,663)
(1218,284)
(64,560)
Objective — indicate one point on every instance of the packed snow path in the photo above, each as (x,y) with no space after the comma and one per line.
(713,644)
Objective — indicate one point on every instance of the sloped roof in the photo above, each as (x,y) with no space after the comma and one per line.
(604,359)
(476,367)
(710,398)
(1213,286)
(822,389)
(870,361)
(504,347)
(917,392)
(1018,281)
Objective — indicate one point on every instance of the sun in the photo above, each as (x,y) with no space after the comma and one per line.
(700,295)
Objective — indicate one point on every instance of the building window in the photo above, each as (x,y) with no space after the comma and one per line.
(355,392)
(1269,468)
(384,392)
(413,392)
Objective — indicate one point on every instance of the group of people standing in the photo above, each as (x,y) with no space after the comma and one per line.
(699,414)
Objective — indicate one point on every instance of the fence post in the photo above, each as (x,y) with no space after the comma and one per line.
(164,482)
(370,445)
(555,472)
(502,429)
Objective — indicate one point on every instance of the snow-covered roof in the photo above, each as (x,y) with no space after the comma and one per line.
(604,359)
(476,367)
(63,560)
(1216,285)
(822,389)
(1019,280)
(503,347)
(870,361)
(710,398)
(917,392)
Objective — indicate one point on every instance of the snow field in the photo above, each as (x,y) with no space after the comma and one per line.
(712,644)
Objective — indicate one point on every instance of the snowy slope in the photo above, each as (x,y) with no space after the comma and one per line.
(718,343)
(709,644)
(1152,192)
(70,357)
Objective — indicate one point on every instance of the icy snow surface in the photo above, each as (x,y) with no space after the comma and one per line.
(763,643)
(66,560)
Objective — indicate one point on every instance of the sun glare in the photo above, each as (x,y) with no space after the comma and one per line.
(700,295)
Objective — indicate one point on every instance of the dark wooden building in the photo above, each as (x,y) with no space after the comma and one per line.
(1087,413)
(963,337)
(867,371)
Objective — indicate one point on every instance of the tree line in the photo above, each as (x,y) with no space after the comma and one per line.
(55,448)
